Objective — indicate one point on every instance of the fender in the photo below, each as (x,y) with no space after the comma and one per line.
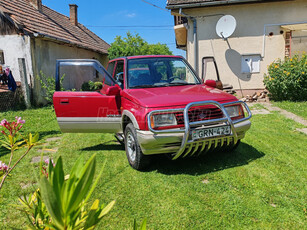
(131,117)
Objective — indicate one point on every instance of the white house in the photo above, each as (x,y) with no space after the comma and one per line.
(265,31)
(41,35)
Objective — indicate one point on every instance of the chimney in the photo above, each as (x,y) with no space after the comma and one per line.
(73,17)
(37,4)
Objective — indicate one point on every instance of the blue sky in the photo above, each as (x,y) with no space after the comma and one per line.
(109,18)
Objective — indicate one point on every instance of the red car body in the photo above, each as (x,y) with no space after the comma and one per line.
(181,106)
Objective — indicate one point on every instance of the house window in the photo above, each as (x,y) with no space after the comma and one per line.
(1,57)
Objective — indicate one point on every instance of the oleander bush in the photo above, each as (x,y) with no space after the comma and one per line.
(287,79)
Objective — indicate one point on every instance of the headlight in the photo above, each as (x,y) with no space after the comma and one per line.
(161,120)
(235,111)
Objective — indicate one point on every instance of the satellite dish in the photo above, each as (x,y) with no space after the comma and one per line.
(225,26)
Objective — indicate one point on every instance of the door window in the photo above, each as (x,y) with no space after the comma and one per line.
(119,73)
(110,69)
(88,75)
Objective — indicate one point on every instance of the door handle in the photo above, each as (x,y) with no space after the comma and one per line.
(64,101)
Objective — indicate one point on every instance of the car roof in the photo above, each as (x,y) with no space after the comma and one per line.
(147,56)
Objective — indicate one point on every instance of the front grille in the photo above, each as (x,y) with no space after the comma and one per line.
(200,114)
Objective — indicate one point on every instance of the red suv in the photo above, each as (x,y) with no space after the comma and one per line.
(155,105)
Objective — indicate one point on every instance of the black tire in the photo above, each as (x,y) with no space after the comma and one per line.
(135,157)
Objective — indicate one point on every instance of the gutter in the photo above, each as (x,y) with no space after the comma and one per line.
(194,20)
(211,3)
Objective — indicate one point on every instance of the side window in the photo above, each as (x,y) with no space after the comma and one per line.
(84,78)
(119,67)
(111,68)
(1,57)
(119,73)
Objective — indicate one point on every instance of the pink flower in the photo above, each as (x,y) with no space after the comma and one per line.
(3,166)
(47,162)
(19,121)
(3,122)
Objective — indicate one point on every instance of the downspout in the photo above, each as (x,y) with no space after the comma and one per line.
(195,44)
(193,19)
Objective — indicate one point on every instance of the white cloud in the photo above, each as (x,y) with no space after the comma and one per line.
(132,15)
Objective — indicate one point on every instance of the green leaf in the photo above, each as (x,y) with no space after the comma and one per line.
(92,218)
(107,209)
(76,169)
(58,179)
(143,226)
(51,202)
(95,183)
(83,184)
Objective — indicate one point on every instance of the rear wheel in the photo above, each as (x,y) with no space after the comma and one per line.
(136,158)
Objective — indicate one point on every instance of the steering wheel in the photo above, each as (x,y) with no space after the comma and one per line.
(172,78)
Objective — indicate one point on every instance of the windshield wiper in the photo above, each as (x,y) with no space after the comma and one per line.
(143,86)
(180,83)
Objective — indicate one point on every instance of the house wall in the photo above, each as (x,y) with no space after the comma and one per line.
(247,38)
(16,46)
(45,53)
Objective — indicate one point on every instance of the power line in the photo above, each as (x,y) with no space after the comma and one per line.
(155,6)
(135,26)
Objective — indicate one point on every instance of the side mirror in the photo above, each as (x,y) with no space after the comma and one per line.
(215,84)
(113,91)
(210,83)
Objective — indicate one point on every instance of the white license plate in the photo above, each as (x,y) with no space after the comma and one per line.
(211,132)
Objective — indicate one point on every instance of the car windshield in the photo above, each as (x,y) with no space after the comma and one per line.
(159,72)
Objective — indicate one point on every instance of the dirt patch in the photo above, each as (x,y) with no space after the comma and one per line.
(38,159)
(53,139)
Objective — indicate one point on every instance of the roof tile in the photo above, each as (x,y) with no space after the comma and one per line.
(53,24)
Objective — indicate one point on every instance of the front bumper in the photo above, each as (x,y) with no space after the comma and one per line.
(178,142)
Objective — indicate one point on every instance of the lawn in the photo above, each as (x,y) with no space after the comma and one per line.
(262,185)
(298,108)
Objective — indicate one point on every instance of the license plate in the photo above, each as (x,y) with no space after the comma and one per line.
(211,132)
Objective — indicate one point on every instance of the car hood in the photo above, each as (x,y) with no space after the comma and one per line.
(176,95)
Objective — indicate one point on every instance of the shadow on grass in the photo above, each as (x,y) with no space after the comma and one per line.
(106,146)
(4,151)
(48,133)
(211,162)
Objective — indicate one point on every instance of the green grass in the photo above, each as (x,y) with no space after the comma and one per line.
(298,108)
(262,185)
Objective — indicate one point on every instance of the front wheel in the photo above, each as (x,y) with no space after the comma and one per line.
(136,158)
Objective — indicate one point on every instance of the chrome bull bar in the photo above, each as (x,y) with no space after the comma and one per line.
(187,125)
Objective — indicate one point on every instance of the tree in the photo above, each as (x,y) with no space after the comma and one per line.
(135,45)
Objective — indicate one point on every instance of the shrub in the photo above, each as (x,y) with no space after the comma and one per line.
(91,86)
(48,86)
(287,80)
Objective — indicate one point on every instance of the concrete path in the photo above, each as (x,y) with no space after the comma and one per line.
(287,114)
(37,159)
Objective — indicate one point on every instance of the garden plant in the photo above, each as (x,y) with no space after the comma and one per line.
(13,141)
(287,80)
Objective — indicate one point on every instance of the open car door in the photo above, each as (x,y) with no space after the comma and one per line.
(87,99)
(210,71)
